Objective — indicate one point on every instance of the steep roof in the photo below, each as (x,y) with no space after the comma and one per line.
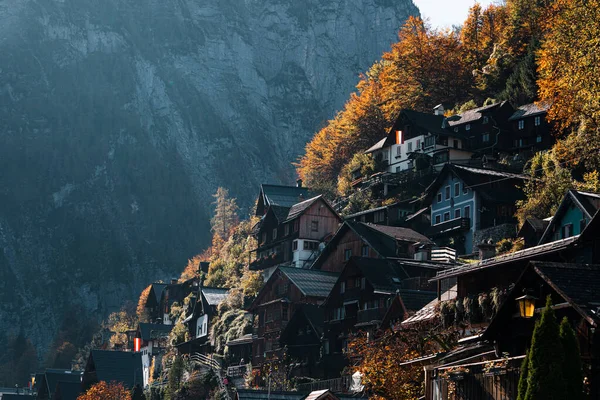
(311,282)
(280,212)
(118,366)
(300,208)
(157,289)
(536,223)
(427,312)
(312,313)
(55,375)
(214,296)
(426,121)
(578,284)
(480,178)
(471,115)
(377,146)
(153,331)
(399,233)
(588,203)
(285,196)
(529,110)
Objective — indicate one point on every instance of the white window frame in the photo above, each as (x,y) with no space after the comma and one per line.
(456,189)
(438,219)
(537,121)
(521,124)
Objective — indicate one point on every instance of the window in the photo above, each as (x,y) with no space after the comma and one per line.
(286,229)
(296,225)
(456,129)
(314,226)
(465,190)
(274,233)
(486,120)
(456,189)
(398,169)
(567,231)
(438,219)
(294,245)
(326,347)
(363,283)
(468,127)
(538,139)
(338,313)
(342,287)
(467,213)
(521,124)
(399,151)
(456,144)
(429,141)
(364,251)
(418,147)
(447,190)
(538,121)
(485,137)
(457,213)
(347,254)
(409,147)
(439,197)
(447,216)
(379,216)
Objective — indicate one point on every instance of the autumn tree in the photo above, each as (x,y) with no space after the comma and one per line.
(119,323)
(225,216)
(380,358)
(141,311)
(525,24)
(364,163)
(568,63)
(106,391)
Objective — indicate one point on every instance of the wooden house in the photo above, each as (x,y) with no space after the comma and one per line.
(47,382)
(152,305)
(390,215)
(531,230)
(282,196)
(150,341)
(175,292)
(283,293)
(292,236)
(469,204)
(572,216)
(361,298)
(202,309)
(64,391)
(531,131)
(371,240)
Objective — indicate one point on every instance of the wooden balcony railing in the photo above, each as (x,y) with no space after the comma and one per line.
(338,385)
(457,224)
(370,315)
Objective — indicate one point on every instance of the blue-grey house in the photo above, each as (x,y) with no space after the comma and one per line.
(572,216)
(466,201)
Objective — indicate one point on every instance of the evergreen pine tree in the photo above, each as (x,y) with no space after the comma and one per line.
(522,391)
(572,368)
(546,358)
(521,86)
(175,375)
(226,216)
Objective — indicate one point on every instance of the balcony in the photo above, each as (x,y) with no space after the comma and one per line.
(370,315)
(454,225)
(237,371)
(266,262)
(338,385)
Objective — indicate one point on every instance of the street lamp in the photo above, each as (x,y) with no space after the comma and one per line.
(526,305)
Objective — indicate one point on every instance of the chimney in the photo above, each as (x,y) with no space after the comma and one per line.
(487,249)
(438,110)
(299,183)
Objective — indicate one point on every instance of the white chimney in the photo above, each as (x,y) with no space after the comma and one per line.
(438,110)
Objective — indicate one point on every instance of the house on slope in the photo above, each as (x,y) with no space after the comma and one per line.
(287,289)
(292,236)
(150,341)
(531,130)
(113,366)
(572,216)
(371,240)
(532,229)
(65,391)
(46,382)
(152,305)
(470,205)
(176,292)
(360,300)
(282,196)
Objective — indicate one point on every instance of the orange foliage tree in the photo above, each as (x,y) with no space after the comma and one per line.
(382,359)
(425,67)
(140,311)
(106,391)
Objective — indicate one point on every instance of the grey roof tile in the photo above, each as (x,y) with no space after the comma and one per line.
(529,110)
(118,366)
(311,282)
(214,296)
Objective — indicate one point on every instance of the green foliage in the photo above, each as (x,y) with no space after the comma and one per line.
(545,379)
(231,324)
(175,376)
(362,162)
(521,86)
(522,390)
(572,367)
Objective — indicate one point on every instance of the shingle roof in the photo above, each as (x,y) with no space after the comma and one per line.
(399,233)
(157,289)
(414,300)
(537,224)
(427,312)
(66,391)
(471,115)
(214,296)
(298,209)
(311,282)
(529,110)
(428,122)
(153,331)
(285,196)
(280,212)
(118,366)
(315,316)
(53,376)
(246,339)
(587,202)
(579,284)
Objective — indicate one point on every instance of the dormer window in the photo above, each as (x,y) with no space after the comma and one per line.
(274,233)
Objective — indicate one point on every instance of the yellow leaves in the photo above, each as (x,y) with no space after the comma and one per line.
(106,391)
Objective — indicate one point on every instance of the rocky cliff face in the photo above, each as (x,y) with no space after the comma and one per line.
(119,119)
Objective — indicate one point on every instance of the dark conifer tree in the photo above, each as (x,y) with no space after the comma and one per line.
(572,368)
